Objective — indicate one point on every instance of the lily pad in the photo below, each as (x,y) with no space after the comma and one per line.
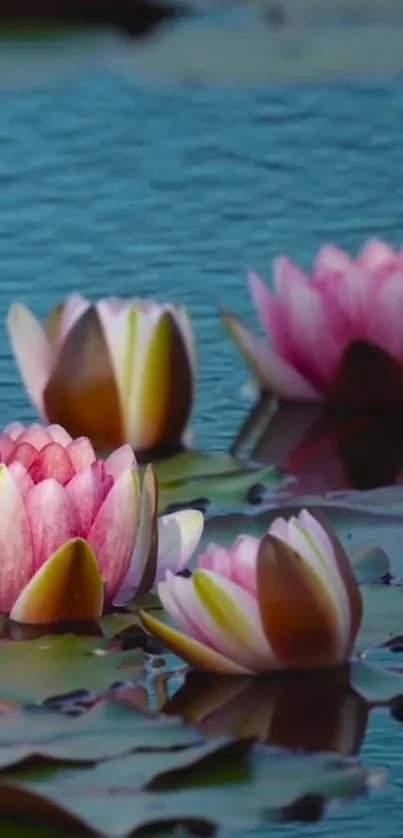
(108,730)
(228,786)
(33,670)
(376,683)
(382,617)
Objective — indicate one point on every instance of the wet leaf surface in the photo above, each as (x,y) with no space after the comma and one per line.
(34,670)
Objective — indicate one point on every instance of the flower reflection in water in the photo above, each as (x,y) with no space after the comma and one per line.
(316,713)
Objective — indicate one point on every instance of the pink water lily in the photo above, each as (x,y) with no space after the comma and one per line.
(311,323)
(76,533)
(116,371)
(289,601)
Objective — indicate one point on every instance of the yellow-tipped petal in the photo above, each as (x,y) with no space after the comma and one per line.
(53,324)
(234,613)
(161,393)
(82,394)
(297,611)
(191,651)
(67,587)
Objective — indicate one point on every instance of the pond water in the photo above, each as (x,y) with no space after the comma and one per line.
(105,188)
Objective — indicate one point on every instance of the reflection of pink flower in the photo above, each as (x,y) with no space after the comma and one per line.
(75,531)
(311,321)
(117,371)
(288,601)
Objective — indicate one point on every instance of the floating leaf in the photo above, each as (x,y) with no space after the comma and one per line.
(109,729)
(33,670)
(114,624)
(370,564)
(376,684)
(382,617)
(224,788)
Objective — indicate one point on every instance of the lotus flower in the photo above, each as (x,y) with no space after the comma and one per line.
(335,335)
(117,371)
(289,601)
(76,532)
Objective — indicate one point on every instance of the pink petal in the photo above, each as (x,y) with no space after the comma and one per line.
(120,460)
(81,453)
(286,273)
(25,454)
(273,374)
(16,566)
(32,351)
(243,563)
(52,462)
(331,259)
(141,575)
(21,478)
(385,319)
(86,493)
(7,446)
(36,435)
(178,537)
(59,434)
(113,533)
(271,315)
(52,518)
(14,429)
(377,254)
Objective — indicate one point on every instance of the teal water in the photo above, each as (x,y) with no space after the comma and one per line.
(174,194)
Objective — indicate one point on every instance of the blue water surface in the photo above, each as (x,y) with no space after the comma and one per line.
(106,188)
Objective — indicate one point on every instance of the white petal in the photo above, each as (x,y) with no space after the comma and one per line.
(178,537)
(32,350)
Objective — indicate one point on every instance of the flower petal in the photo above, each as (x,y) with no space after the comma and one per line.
(82,394)
(53,461)
(16,566)
(234,612)
(21,478)
(160,384)
(194,653)
(7,446)
(32,351)
(81,453)
(113,533)
(52,518)
(178,537)
(345,569)
(120,460)
(35,435)
(86,493)
(59,434)
(14,429)
(298,615)
(67,587)
(273,374)
(140,577)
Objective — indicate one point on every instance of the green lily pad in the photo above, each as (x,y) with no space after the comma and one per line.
(33,670)
(376,684)
(221,785)
(108,730)
(382,617)
(211,479)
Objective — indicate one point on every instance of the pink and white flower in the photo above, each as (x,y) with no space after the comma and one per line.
(311,321)
(77,533)
(115,371)
(288,601)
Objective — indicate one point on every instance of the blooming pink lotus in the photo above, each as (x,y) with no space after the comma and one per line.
(316,324)
(117,371)
(288,601)
(77,533)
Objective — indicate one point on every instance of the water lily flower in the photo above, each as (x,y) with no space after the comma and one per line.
(334,335)
(76,533)
(117,371)
(289,601)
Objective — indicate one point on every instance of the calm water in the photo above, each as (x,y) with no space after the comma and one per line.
(174,194)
